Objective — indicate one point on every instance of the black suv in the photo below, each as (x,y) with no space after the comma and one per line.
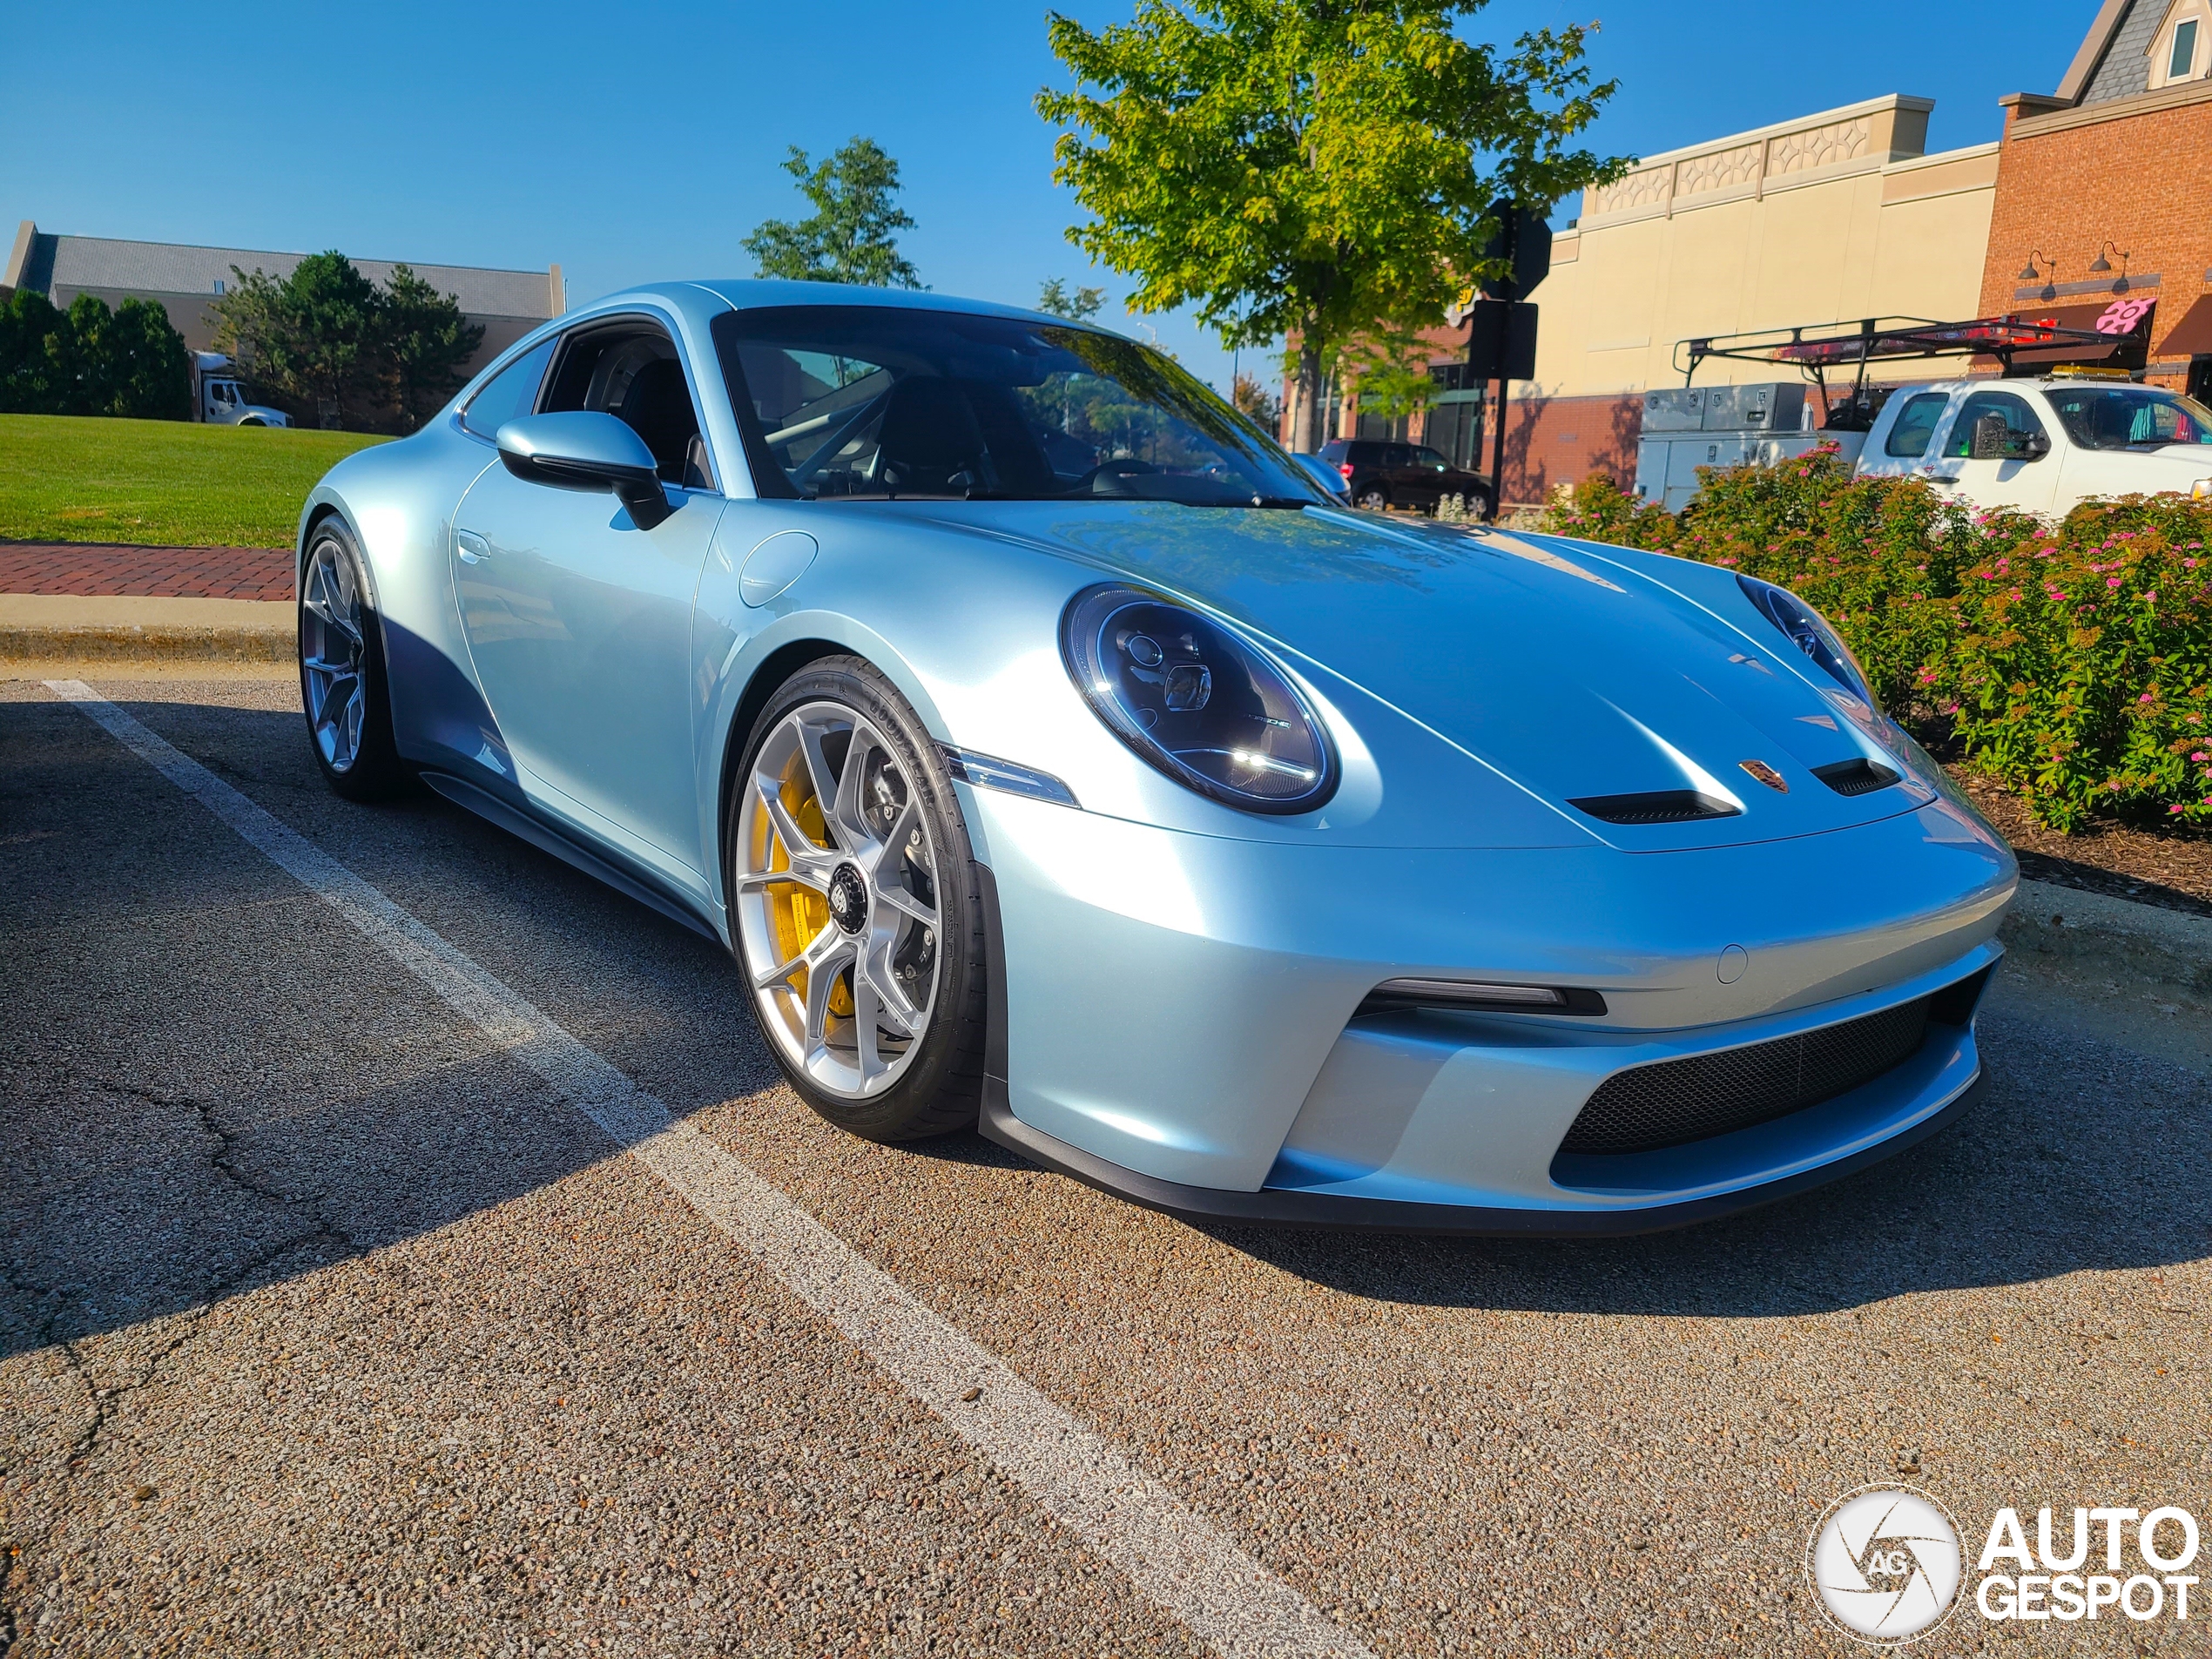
(1402,474)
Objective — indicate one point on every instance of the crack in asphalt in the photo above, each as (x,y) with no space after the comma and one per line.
(101,1402)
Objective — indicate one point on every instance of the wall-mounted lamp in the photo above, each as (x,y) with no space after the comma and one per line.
(2049,272)
(2102,267)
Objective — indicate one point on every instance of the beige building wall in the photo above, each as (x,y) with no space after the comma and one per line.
(1820,221)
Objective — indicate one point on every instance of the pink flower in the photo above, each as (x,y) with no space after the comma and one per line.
(2172,810)
(2112,581)
(2145,697)
(2200,755)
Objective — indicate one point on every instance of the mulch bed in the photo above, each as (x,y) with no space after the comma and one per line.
(2168,868)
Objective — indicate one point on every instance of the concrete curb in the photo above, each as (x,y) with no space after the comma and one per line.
(43,627)
(2089,934)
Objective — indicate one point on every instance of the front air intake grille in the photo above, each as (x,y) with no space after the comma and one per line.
(1856,777)
(1676,1100)
(1655,807)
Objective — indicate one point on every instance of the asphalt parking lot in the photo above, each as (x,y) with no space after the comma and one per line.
(334,1322)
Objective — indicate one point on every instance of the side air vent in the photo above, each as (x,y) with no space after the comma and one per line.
(1860,777)
(1655,807)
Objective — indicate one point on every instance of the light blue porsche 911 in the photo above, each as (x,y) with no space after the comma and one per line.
(1055,757)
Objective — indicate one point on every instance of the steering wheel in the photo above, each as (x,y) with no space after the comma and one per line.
(1127,466)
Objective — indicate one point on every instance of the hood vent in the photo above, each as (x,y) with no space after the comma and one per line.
(1655,807)
(1856,777)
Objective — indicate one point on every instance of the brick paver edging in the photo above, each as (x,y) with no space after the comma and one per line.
(102,569)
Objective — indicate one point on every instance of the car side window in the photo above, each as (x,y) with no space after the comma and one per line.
(1396,454)
(2019,421)
(508,395)
(629,368)
(1916,424)
(1425,457)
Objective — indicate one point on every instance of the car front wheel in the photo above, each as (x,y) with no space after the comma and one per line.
(1373,499)
(855,906)
(341,672)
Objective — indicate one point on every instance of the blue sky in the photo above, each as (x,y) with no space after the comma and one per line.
(641,141)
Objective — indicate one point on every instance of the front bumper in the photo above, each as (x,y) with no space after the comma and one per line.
(1323,1212)
(1175,1012)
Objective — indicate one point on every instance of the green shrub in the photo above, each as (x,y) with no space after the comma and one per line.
(90,360)
(2073,662)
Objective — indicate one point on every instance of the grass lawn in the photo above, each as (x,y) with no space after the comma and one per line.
(79,478)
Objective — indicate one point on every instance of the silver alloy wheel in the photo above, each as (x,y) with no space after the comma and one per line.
(1374,500)
(836,899)
(331,648)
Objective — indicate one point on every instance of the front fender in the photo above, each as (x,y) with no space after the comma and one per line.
(398,500)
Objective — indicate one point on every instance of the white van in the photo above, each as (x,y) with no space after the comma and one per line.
(2042,445)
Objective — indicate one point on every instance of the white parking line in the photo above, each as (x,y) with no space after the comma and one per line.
(1178,1560)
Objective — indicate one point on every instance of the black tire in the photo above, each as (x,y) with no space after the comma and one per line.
(368,767)
(1373,499)
(941,1088)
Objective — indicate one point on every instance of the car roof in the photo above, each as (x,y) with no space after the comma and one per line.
(750,295)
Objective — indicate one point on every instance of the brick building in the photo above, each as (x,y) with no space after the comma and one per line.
(2116,166)
(186,280)
(1826,219)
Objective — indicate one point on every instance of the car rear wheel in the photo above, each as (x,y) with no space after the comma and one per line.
(1373,499)
(856,909)
(341,672)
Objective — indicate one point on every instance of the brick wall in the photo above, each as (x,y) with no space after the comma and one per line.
(1554,441)
(2067,181)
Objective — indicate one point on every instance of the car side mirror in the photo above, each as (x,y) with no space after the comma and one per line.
(1992,439)
(586,449)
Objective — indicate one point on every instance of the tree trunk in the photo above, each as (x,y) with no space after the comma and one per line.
(1305,426)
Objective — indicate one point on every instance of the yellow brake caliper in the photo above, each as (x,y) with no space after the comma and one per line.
(799,911)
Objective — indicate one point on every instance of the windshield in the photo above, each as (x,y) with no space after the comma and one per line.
(2121,417)
(873,402)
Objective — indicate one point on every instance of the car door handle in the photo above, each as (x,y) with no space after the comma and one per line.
(472,548)
(1928,476)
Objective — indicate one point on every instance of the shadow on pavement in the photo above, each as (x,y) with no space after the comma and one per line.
(212,1083)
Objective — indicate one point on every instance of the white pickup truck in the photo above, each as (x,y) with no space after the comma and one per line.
(2042,445)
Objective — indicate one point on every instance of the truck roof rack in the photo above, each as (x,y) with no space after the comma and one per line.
(1815,348)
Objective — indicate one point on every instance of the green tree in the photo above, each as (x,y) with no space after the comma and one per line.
(425,342)
(90,360)
(315,335)
(144,370)
(1077,305)
(1389,369)
(853,234)
(1315,170)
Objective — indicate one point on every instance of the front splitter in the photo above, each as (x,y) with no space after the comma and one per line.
(1333,1212)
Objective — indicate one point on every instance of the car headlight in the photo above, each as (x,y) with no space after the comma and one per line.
(1809,633)
(1200,702)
